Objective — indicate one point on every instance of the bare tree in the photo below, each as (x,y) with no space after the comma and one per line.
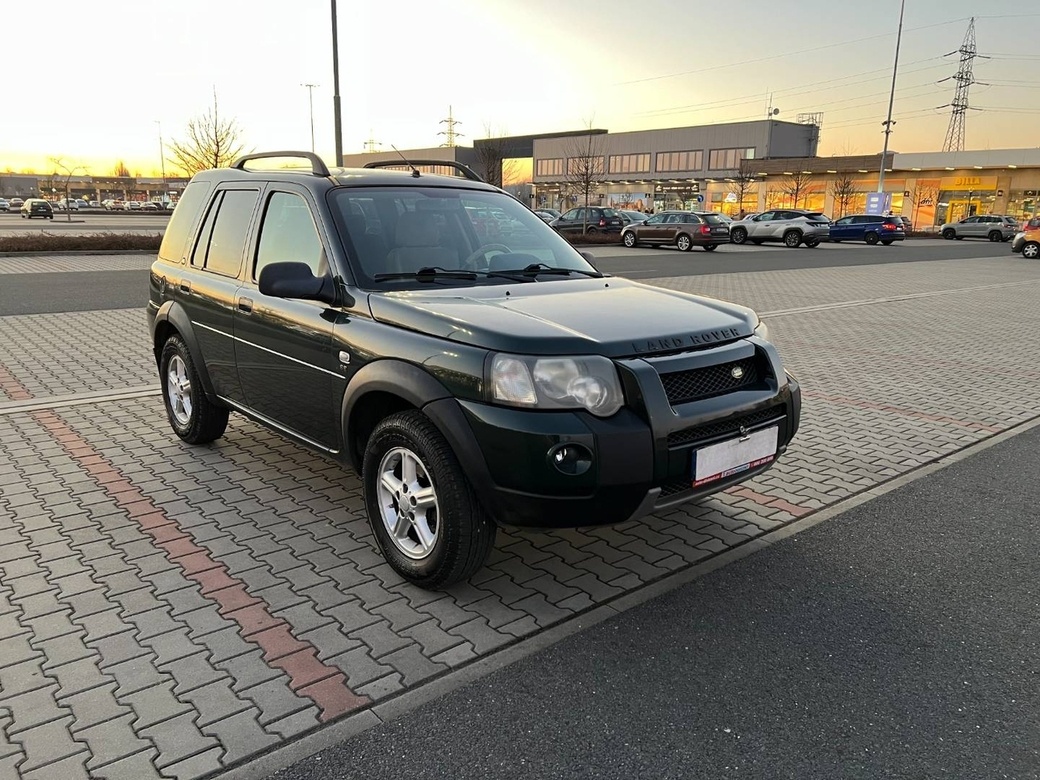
(584,168)
(797,186)
(843,189)
(923,194)
(744,184)
(121,171)
(212,142)
(69,171)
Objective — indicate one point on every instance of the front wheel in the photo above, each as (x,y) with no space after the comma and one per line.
(792,238)
(629,239)
(429,524)
(684,243)
(738,235)
(192,416)
(949,234)
(710,247)
(1031,250)
(871,238)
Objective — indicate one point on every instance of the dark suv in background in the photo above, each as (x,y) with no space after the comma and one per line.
(36,207)
(590,220)
(469,380)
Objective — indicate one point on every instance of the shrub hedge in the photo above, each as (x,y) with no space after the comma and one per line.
(97,242)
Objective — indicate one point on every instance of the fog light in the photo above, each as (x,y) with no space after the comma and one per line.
(570,459)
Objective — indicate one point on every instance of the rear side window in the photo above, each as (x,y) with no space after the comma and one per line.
(223,238)
(609,213)
(713,219)
(182,222)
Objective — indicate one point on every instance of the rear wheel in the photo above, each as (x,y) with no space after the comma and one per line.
(996,235)
(812,243)
(629,239)
(683,242)
(192,416)
(949,234)
(871,238)
(1031,250)
(792,238)
(428,522)
(738,235)
(710,247)
(591,232)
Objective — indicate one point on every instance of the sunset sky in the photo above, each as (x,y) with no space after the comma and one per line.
(105,72)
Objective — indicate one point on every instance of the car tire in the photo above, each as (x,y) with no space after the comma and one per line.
(591,232)
(710,247)
(683,242)
(871,238)
(193,417)
(949,234)
(995,236)
(463,536)
(738,235)
(886,243)
(812,243)
(629,239)
(792,238)
(1031,250)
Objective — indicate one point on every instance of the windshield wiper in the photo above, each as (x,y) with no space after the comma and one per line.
(427,274)
(538,269)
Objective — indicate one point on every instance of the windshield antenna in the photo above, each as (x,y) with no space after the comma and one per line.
(415,171)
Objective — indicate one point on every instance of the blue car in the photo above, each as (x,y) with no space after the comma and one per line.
(871,228)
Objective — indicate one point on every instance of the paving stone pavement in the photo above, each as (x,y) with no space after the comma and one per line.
(169,611)
(37,264)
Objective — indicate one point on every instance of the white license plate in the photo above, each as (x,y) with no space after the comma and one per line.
(734,455)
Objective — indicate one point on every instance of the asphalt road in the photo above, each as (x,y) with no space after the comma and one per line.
(645,262)
(85,223)
(899,640)
(44,293)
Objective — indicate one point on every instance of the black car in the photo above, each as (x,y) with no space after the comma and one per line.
(589,221)
(36,207)
(470,381)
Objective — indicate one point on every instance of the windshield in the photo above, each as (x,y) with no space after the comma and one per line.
(400,230)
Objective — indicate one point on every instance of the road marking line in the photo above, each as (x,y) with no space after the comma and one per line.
(26,403)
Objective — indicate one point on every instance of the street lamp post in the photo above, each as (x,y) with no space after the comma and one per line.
(335,88)
(891,100)
(162,164)
(310,97)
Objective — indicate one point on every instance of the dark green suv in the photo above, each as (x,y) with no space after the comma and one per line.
(473,374)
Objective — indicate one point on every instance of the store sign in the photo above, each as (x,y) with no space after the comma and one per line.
(969,182)
(879,202)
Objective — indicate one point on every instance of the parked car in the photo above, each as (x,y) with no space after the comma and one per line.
(594,219)
(682,229)
(485,384)
(990,226)
(547,215)
(4,204)
(36,207)
(132,205)
(14,204)
(632,217)
(1027,242)
(149,206)
(908,224)
(791,226)
(871,228)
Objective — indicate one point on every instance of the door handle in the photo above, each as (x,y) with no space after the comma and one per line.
(245,304)
(185,286)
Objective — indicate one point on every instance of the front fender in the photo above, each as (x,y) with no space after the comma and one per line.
(172,317)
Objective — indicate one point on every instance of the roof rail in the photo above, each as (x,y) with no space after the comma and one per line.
(465,170)
(318,167)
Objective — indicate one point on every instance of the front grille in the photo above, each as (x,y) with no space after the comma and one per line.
(674,487)
(712,430)
(684,386)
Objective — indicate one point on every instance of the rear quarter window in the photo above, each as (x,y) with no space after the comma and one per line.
(182,223)
(713,219)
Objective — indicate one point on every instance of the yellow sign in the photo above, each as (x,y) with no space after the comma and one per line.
(969,182)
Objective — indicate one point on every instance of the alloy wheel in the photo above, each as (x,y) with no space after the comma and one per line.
(408,503)
(178,387)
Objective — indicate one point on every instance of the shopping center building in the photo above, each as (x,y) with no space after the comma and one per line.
(754,166)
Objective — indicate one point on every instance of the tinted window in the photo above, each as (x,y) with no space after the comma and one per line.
(179,230)
(572,214)
(198,257)
(229,232)
(288,234)
(609,213)
(713,219)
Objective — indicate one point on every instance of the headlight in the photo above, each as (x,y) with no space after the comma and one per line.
(762,331)
(588,382)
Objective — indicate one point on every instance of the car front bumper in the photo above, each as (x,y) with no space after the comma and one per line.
(639,460)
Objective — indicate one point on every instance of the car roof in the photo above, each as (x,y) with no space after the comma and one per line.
(344,177)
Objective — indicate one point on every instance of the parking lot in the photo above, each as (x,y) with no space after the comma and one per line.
(169,611)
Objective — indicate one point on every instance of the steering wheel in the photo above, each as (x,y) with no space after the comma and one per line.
(470,262)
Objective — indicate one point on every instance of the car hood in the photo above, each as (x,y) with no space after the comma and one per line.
(610,316)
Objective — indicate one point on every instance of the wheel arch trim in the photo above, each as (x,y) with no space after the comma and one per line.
(172,316)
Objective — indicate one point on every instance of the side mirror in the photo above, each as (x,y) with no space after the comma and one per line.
(589,257)
(295,280)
